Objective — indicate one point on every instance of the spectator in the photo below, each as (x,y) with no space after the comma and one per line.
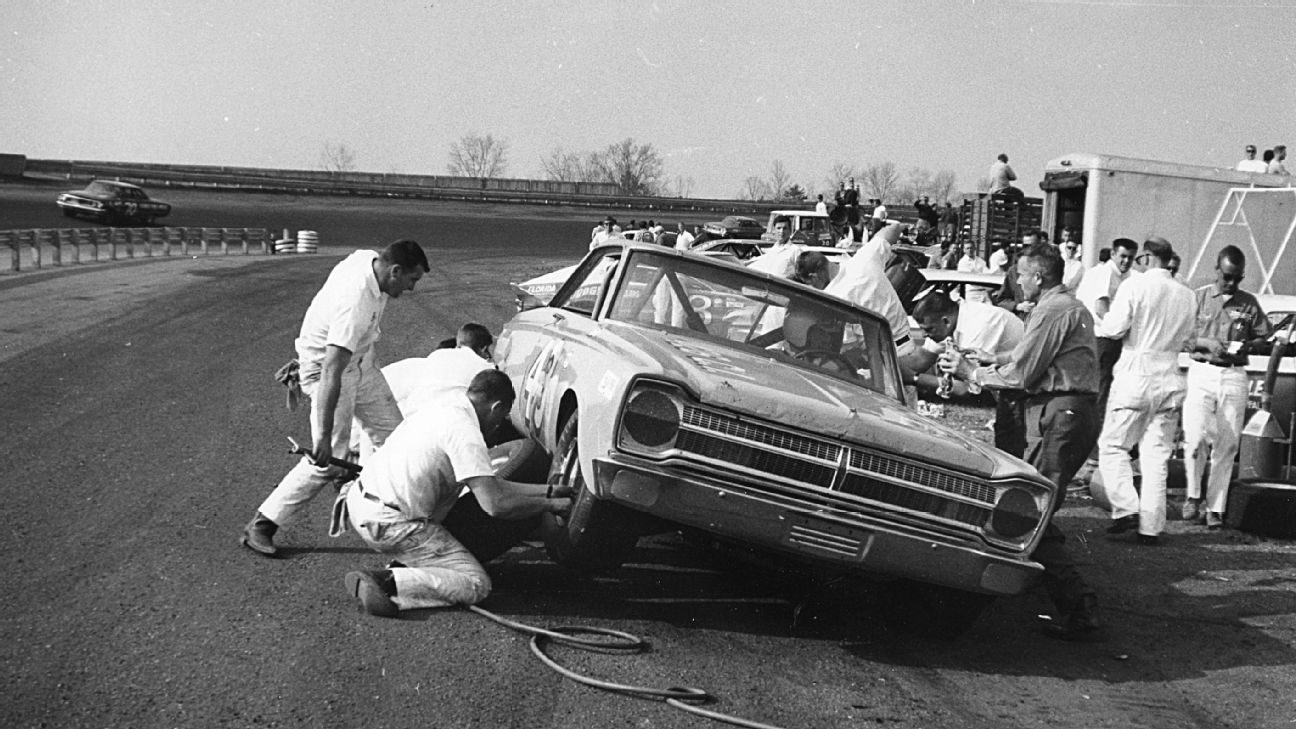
(821,207)
(949,219)
(1250,163)
(608,230)
(1267,158)
(1276,167)
(684,239)
(1001,175)
(880,211)
(851,199)
(971,262)
(1155,316)
(1229,324)
(1074,269)
(782,230)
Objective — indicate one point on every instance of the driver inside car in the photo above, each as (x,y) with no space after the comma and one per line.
(813,335)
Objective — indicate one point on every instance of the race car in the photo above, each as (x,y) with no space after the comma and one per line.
(109,201)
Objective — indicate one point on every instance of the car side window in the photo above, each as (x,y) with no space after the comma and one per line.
(581,292)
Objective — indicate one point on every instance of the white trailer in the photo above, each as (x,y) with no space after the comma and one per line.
(1198,209)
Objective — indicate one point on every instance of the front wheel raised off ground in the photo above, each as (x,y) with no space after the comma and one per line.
(593,534)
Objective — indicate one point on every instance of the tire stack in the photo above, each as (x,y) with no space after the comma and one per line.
(307,241)
(285,245)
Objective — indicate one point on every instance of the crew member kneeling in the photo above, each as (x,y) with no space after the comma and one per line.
(412,482)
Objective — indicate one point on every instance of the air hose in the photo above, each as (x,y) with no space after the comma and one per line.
(684,698)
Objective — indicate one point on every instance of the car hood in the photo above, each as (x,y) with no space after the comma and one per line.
(803,399)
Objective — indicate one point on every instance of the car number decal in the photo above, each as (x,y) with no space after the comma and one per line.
(533,385)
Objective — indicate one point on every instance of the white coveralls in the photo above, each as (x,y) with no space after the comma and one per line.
(1155,315)
(345,312)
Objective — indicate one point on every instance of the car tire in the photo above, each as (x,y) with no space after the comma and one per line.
(520,460)
(1267,508)
(594,534)
(932,611)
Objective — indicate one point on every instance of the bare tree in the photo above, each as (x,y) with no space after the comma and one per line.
(779,179)
(634,168)
(337,157)
(944,186)
(563,166)
(881,180)
(476,155)
(754,188)
(837,174)
(684,186)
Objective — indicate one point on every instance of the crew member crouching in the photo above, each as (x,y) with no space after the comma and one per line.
(409,486)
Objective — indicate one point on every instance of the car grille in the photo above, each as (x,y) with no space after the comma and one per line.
(831,473)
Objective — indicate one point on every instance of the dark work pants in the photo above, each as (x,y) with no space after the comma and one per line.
(1010,422)
(485,536)
(1060,432)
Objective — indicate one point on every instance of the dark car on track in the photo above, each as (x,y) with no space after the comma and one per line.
(736,226)
(109,201)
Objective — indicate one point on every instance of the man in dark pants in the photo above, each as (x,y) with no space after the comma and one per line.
(1056,366)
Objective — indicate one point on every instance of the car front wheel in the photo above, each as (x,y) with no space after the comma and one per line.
(593,534)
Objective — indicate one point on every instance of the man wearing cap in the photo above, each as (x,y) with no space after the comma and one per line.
(1250,163)
(340,374)
(1054,365)
(1154,316)
(1230,323)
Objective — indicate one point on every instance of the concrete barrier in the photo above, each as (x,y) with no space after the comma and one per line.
(130,242)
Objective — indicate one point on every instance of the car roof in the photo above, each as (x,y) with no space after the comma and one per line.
(631,246)
(115,183)
(1273,303)
(801,213)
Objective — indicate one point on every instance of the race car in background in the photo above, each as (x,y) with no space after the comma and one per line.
(109,201)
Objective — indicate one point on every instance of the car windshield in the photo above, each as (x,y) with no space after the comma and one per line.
(101,188)
(735,308)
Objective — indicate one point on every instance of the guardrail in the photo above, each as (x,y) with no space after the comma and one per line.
(86,245)
(599,196)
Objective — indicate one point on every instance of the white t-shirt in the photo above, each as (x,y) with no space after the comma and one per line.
(1252,165)
(419,380)
(1101,281)
(684,241)
(880,212)
(421,466)
(974,264)
(983,327)
(345,312)
(821,207)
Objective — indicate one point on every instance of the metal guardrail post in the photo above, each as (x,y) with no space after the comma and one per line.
(8,238)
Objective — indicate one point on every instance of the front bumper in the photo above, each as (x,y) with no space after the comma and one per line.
(874,544)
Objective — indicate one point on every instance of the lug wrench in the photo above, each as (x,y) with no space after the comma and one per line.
(297,450)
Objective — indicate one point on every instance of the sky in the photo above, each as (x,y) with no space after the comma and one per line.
(720,89)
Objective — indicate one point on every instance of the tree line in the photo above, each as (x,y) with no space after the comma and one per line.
(638,169)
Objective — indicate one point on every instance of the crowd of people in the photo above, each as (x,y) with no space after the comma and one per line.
(1271,162)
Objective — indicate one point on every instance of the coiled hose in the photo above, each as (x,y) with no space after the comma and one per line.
(684,698)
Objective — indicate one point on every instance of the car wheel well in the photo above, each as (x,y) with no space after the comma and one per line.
(566,407)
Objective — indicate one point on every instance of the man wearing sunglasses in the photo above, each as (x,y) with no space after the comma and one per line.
(1153,315)
(1230,323)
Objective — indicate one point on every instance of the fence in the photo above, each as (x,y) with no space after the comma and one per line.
(997,219)
(87,245)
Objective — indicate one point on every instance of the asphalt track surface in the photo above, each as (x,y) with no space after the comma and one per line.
(141,427)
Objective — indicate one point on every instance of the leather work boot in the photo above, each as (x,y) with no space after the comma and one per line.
(1080,625)
(258,535)
(374,590)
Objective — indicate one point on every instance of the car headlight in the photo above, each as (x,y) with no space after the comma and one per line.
(1018,512)
(651,420)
